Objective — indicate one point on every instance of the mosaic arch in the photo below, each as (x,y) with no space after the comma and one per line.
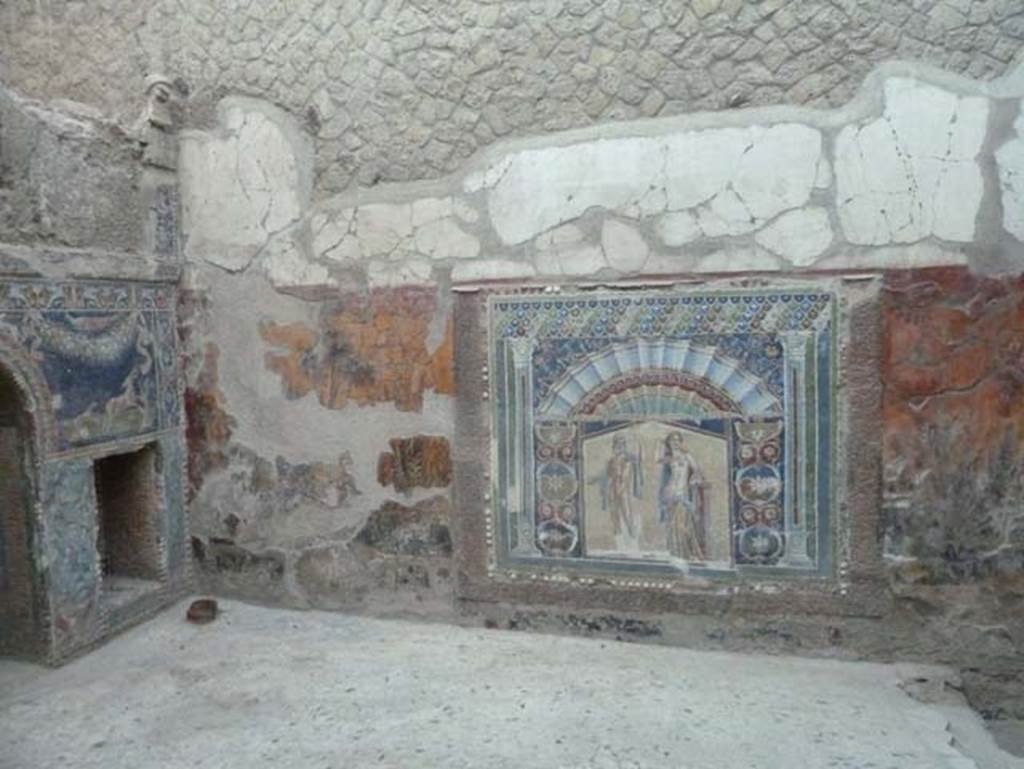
(22,413)
(669,432)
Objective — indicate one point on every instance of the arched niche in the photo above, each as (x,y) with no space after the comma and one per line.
(21,592)
(652,377)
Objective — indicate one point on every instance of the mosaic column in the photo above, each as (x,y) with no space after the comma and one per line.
(520,470)
(796,346)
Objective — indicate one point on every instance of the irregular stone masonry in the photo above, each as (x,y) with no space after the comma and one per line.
(400,91)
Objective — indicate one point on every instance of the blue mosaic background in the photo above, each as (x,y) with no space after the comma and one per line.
(107,353)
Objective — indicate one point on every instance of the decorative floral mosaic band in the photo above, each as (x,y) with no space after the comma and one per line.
(105,351)
(663,432)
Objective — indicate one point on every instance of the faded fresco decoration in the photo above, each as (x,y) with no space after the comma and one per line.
(420,461)
(664,431)
(365,350)
(107,352)
(953,373)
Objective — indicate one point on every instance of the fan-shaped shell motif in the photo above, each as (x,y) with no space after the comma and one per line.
(665,374)
(654,393)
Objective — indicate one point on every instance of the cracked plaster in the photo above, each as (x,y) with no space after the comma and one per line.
(912,173)
(800,235)
(756,189)
(738,177)
(242,185)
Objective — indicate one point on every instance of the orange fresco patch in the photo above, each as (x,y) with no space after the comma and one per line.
(423,460)
(366,351)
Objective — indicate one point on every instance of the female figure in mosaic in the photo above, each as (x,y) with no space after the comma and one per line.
(681,500)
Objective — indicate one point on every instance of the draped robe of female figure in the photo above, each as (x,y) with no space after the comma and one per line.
(681,501)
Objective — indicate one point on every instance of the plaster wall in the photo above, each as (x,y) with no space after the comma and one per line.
(320,330)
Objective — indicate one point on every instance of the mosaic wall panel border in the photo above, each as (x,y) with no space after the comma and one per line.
(663,434)
(107,352)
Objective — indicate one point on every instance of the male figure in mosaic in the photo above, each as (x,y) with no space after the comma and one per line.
(681,500)
(623,481)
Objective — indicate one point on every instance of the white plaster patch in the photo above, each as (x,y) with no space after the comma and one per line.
(558,237)
(912,173)
(624,247)
(563,251)
(545,187)
(669,264)
(346,250)
(406,273)
(241,186)
(423,227)
(444,239)
(488,177)
(678,228)
(1010,160)
(427,210)
(286,266)
(800,235)
(756,171)
(911,256)
(776,169)
(383,227)
(332,236)
(491,269)
(738,260)
(727,214)
(579,260)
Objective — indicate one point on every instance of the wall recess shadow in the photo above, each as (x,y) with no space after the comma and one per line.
(128,542)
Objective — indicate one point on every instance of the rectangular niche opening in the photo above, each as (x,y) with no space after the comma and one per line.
(128,507)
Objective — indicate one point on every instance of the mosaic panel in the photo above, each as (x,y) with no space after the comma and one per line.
(669,432)
(107,353)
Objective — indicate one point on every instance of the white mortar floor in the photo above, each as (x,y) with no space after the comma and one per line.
(266,687)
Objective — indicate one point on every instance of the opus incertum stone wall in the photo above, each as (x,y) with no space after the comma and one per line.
(402,91)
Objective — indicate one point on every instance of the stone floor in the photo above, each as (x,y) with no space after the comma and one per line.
(262,687)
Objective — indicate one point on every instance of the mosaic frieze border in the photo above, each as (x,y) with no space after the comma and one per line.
(124,332)
(21,294)
(788,533)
